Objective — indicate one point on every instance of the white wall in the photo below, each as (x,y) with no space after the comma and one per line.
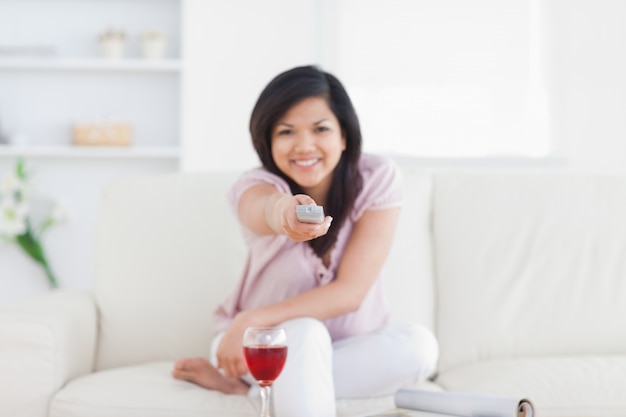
(231,50)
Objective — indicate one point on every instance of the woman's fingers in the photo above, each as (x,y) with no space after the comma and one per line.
(234,368)
(242,369)
(301,231)
(304,199)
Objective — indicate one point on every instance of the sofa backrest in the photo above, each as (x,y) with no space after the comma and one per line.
(529,265)
(169,249)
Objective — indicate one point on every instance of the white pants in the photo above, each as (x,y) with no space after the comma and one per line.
(318,371)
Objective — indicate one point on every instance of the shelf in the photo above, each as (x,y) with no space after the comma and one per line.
(101,152)
(90,64)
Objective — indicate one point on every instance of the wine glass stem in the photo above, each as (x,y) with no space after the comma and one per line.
(266,392)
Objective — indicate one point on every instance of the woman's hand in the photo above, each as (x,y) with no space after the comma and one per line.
(285,210)
(230,350)
(265,211)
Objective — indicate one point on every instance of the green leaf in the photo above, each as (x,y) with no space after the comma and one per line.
(33,248)
(20,168)
(49,222)
(52,281)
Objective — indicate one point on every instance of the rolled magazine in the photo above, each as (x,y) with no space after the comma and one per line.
(459,404)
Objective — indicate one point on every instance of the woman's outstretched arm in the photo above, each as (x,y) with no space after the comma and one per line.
(265,211)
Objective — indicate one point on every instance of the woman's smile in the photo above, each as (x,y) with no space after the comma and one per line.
(306,163)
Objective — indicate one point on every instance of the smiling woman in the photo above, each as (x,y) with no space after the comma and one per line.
(324,285)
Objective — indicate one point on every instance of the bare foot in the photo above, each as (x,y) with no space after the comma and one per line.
(201,372)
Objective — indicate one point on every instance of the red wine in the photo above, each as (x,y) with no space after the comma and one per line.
(265,362)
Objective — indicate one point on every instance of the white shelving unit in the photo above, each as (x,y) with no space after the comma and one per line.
(43,94)
(53,73)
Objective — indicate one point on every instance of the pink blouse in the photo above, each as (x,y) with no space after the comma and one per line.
(278,268)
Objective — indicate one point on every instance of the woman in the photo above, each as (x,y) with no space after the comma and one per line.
(322,283)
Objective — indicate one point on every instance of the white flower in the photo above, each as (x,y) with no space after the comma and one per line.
(60,212)
(26,191)
(10,184)
(13,217)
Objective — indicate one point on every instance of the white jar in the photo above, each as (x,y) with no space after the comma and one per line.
(112,48)
(153,45)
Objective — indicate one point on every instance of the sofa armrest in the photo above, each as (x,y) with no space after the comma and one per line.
(44,342)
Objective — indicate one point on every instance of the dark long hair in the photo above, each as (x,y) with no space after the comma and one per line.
(282,93)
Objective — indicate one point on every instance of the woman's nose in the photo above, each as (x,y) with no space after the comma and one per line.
(305,141)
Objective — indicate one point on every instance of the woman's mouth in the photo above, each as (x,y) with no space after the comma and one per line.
(305,162)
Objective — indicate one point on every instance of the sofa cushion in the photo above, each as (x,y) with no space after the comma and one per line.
(148,390)
(168,249)
(409,269)
(575,386)
(529,265)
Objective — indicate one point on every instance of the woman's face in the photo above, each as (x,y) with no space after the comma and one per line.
(307,144)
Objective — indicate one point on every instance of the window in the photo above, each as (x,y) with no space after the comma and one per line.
(441,78)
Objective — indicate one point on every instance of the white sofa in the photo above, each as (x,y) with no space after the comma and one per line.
(521,276)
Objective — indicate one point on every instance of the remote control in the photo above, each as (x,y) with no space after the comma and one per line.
(310,214)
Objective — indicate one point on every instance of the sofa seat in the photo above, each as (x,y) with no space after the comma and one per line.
(148,390)
(573,386)
(144,390)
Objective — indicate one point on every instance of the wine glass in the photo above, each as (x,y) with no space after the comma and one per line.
(265,351)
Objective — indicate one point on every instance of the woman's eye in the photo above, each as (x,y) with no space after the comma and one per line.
(322,129)
(285,132)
